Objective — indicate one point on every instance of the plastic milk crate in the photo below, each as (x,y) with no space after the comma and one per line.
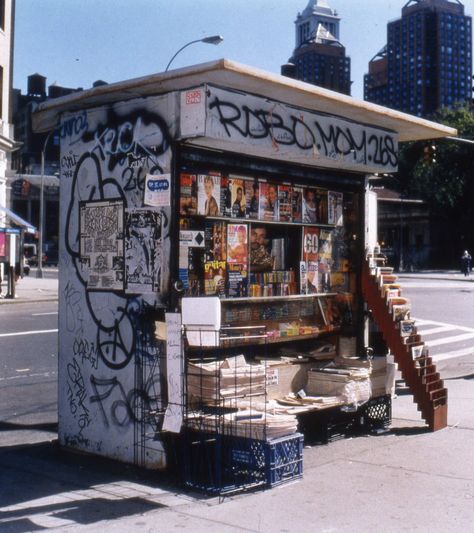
(223,464)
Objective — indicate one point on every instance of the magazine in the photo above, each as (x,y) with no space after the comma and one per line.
(225,197)
(188,194)
(335,208)
(237,244)
(315,205)
(310,256)
(237,196)
(252,193)
(214,278)
(208,195)
(284,203)
(237,281)
(297,204)
(268,202)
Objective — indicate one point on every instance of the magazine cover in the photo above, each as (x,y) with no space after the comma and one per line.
(315,205)
(237,196)
(225,197)
(284,203)
(237,244)
(325,260)
(208,195)
(214,278)
(322,205)
(216,241)
(335,207)
(310,256)
(252,193)
(268,201)
(188,194)
(297,204)
(237,281)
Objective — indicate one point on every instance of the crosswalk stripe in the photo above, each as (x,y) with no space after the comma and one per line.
(449,340)
(433,331)
(421,322)
(452,355)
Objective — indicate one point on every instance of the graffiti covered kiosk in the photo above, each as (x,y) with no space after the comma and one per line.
(211,197)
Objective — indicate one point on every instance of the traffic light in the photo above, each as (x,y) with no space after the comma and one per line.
(429,154)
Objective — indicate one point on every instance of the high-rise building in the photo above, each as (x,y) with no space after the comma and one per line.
(319,57)
(427,63)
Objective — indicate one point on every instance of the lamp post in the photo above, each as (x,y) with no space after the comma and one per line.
(214,39)
(39,271)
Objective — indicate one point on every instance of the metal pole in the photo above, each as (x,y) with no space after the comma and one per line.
(39,271)
(214,39)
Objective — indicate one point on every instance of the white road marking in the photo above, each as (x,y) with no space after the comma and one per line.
(45,314)
(449,340)
(452,355)
(433,331)
(423,327)
(21,333)
(421,322)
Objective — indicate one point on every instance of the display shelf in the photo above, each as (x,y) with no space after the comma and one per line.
(266,222)
(256,299)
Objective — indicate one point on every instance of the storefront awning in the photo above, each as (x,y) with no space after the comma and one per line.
(17,220)
(232,75)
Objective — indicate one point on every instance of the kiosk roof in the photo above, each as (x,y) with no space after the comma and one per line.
(233,75)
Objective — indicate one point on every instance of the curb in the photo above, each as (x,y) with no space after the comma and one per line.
(23,300)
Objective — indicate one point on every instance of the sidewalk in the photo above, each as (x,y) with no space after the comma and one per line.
(405,480)
(32,289)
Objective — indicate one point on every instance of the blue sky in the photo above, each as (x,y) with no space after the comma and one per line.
(76,42)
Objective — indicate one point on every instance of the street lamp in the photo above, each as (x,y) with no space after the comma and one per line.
(39,271)
(214,39)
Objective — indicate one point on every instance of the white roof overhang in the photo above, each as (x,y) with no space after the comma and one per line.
(233,75)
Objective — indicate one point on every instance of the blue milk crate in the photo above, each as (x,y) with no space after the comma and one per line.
(221,464)
(284,459)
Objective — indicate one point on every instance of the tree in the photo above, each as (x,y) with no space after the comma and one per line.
(447,184)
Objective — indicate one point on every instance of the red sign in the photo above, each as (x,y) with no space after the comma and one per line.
(193,97)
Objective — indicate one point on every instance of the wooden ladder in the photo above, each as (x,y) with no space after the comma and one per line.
(391,314)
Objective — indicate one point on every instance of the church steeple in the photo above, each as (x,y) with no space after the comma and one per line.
(317,13)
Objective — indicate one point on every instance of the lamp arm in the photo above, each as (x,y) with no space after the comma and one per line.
(181,49)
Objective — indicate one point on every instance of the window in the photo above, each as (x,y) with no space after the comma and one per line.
(2,14)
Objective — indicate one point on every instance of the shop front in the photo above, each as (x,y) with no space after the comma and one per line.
(214,232)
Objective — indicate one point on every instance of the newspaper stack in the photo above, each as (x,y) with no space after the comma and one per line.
(382,373)
(249,424)
(226,379)
(351,385)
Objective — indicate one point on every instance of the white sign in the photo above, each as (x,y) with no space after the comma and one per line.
(193,112)
(191,239)
(174,372)
(158,190)
(259,126)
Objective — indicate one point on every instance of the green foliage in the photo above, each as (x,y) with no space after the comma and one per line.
(448,184)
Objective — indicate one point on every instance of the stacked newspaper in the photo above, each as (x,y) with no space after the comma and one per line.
(224,379)
(351,385)
(250,424)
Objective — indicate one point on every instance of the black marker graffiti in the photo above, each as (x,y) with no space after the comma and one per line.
(333,140)
(77,395)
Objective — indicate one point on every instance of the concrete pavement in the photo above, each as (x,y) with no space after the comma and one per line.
(32,289)
(405,480)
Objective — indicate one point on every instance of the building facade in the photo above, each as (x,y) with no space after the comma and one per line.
(7,143)
(319,57)
(24,193)
(427,62)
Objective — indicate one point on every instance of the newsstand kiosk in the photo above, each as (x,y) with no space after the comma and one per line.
(213,270)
